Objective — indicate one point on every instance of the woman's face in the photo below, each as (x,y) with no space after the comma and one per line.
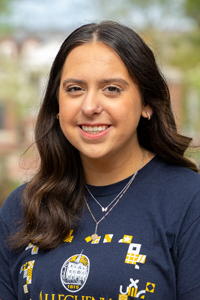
(99,104)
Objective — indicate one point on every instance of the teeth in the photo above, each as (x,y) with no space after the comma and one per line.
(94,129)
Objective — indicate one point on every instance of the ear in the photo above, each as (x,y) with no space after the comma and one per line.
(147,112)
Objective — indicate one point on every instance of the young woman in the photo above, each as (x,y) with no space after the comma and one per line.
(114,210)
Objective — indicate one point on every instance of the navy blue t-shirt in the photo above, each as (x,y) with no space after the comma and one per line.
(148,246)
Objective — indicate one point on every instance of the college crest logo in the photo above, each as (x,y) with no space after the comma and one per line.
(74,272)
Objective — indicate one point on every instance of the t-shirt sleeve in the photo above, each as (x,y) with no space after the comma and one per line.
(8,214)
(188,254)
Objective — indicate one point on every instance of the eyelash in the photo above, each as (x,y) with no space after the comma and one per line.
(116,89)
(74,89)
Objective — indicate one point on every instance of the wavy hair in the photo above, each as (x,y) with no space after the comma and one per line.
(53,199)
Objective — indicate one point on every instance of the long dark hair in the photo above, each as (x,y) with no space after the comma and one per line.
(53,199)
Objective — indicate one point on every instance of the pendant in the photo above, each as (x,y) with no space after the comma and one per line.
(104,209)
(94,237)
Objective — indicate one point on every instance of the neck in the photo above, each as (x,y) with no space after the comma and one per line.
(100,172)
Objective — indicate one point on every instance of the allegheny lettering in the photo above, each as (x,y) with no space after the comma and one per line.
(65,297)
(58,297)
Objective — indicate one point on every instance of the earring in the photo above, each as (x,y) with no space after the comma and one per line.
(148,116)
(57,116)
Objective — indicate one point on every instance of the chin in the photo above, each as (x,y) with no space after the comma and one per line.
(94,156)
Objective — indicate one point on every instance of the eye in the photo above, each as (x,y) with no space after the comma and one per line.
(112,89)
(73,89)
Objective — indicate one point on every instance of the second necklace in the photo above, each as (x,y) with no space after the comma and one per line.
(117,198)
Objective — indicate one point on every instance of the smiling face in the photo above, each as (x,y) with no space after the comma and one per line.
(99,104)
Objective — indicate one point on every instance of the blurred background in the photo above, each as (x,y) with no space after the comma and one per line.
(31,32)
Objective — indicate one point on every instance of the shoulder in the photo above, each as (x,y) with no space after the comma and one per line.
(176,177)
(174,188)
(178,189)
(12,208)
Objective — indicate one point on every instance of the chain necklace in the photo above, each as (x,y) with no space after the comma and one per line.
(104,209)
(119,196)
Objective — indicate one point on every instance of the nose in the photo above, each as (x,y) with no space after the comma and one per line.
(91,104)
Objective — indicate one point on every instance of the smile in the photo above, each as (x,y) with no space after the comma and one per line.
(94,129)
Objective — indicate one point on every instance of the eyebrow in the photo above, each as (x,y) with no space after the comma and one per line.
(103,81)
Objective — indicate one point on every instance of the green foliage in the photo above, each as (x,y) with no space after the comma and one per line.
(16,88)
(192,9)
(193,77)
(5,6)
(182,49)
(5,11)
(151,11)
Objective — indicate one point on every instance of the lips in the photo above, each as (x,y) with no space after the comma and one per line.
(94,129)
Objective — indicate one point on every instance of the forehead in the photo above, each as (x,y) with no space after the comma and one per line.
(95,56)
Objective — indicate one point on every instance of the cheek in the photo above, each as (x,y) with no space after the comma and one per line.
(68,111)
(65,106)
(66,119)
(128,113)
(68,132)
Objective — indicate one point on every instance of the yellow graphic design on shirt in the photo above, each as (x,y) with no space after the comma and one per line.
(108,238)
(82,259)
(132,290)
(150,287)
(27,268)
(97,240)
(44,296)
(34,249)
(123,297)
(88,239)
(133,257)
(126,239)
(69,238)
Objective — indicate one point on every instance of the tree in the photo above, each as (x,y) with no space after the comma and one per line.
(5,6)
(192,9)
(5,11)
(151,13)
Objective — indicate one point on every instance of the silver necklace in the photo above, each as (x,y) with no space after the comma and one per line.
(104,209)
(117,198)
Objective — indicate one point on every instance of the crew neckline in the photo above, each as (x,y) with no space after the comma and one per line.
(118,186)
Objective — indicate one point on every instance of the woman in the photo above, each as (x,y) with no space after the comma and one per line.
(113,212)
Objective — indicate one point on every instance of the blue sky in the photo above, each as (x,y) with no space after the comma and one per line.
(60,14)
(53,13)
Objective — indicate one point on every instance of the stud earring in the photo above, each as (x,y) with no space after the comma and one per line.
(148,116)
(57,116)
